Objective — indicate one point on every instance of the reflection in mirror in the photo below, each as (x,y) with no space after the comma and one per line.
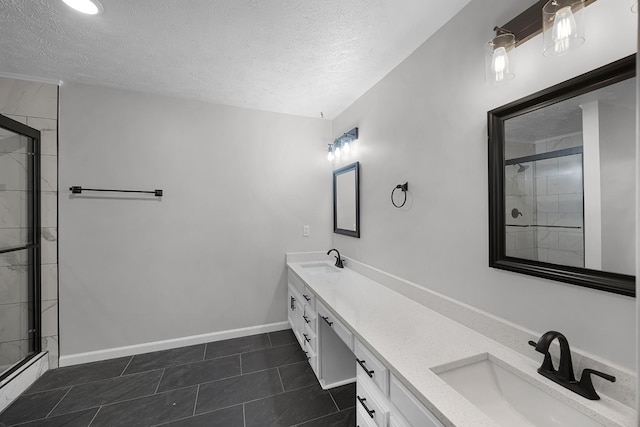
(346,209)
(563,172)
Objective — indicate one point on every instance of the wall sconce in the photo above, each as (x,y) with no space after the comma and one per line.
(563,29)
(343,145)
(498,67)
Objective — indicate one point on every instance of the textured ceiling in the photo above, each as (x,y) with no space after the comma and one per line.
(291,56)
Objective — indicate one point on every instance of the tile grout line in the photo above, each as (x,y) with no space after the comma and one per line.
(54,408)
(240,358)
(159,381)
(280,377)
(270,342)
(244,417)
(196,401)
(125,368)
(334,402)
(94,417)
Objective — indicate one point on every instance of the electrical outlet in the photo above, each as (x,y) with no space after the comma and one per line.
(305,231)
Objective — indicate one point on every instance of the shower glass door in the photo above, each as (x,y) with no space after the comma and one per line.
(19,245)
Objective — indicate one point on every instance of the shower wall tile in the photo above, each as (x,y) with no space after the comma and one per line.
(49,143)
(572,259)
(13,209)
(14,144)
(49,274)
(43,125)
(12,351)
(24,98)
(524,240)
(547,238)
(570,203)
(49,250)
(547,167)
(21,119)
(547,204)
(51,345)
(13,284)
(48,173)
(567,141)
(564,184)
(13,322)
(572,241)
(565,219)
(49,209)
(12,237)
(13,171)
(49,318)
(14,258)
(541,186)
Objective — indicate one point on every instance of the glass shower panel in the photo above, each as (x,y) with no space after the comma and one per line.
(520,210)
(560,210)
(19,315)
(15,189)
(17,319)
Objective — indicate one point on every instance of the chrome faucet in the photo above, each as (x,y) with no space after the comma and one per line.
(339,259)
(564,375)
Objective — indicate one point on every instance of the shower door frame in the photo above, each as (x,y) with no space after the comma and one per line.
(33,246)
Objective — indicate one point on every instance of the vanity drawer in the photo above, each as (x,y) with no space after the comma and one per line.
(309,297)
(362,418)
(324,315)
(310,319)
(310,340)
(371,401)
(396,421)
(409,406)
(312,356)
(368,364)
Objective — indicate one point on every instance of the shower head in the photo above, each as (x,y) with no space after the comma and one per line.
(522,168)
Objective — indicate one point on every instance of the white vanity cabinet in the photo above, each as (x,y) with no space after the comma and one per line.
(338,357)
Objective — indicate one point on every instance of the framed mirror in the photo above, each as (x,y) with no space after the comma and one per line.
(346,200)
(562,181)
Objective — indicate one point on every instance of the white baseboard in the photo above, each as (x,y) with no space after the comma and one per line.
(130,350)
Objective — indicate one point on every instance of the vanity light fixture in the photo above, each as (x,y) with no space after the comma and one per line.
(88,7)
(499,69)
(342,145)
(562,26)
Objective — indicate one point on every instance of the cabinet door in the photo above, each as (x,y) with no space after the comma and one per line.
(296,311)
(410,407)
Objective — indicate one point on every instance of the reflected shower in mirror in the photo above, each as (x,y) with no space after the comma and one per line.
(346,200)
(563,167)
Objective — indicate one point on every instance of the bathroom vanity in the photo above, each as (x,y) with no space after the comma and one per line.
(411,363)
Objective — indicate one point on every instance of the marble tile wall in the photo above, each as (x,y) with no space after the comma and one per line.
(36,105)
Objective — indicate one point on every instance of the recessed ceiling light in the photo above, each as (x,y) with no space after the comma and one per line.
(90,7)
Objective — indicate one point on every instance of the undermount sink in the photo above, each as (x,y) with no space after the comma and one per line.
(320,268)
(510,400)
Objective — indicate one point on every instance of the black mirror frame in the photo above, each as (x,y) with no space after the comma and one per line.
(604,76)
(355,167)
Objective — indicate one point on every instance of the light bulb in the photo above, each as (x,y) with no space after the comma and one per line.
(330,156)
(89,7)
(564,29)
(346,148)
(338,153)
(500,64)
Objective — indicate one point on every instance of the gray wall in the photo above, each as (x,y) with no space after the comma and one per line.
(425,123)
(617,186)
(239,187)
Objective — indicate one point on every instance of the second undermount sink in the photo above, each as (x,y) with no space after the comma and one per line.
(320,268)
(510,400)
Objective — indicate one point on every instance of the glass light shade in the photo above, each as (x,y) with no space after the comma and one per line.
(562,26)
(498,66)
(346,148)
(330,156)
(337,152)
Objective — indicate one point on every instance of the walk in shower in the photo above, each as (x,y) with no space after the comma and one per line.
(544,203)
(19,244)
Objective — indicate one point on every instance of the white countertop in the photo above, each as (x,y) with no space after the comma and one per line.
(411,340)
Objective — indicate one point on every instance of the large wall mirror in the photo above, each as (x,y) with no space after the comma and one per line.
(562,173)
(346,200)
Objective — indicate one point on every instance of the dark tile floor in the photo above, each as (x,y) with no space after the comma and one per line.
(260,380)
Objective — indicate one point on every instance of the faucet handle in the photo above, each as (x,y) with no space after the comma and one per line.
(587,385)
